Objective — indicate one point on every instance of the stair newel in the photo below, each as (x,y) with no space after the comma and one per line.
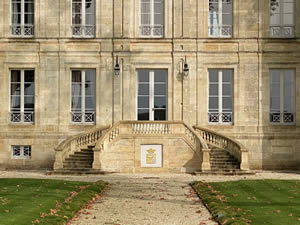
(205,160)
(97,162)
(58,164)
(244,160)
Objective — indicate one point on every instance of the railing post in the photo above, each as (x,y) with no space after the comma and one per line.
(96,162)
(244,160)
(205,160)
(58,164)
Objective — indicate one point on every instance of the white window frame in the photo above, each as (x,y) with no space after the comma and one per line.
(221,117)
(282,30)
(83,30)
(22,149)
(152,30)
(223,31)
(22,116)
(21,30)
(86,117)
(282,118)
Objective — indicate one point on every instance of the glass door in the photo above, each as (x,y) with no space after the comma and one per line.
(152,95)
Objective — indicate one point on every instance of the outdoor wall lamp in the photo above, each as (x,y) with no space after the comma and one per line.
(117,68)
(185,68)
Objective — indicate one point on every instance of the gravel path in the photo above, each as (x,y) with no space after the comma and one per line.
(148,199)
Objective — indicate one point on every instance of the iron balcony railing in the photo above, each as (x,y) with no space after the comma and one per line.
(83,31)
(23,31)
(217,117)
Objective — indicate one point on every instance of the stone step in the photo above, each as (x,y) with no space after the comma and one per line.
(223,160)
(225,172)
(78,164)
(224,163)
(84,153)
(77,171)
(224,167)
(81,157)
(78,159)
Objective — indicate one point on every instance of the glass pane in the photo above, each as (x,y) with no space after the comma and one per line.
(275,19)
(275,76)
(90,6)
(143,102)
(275,90)
(158,13)
(76,19)
(16,19)
(90,76)
(275,104)
(90,103)
(90,89)
(143,89)
(29,102)
(15,102)
(29,8)
(213,75)
(29,89)
(76,89)
(143,114)
(227,103)
(227,76)
(76,76)
(145,12)
(227,90)
(16,7)
(90,19)
(160,114)
(160,102)
(288,19)
(76,7)
(289,91)
(76,103)
(15,89)
(213,103)
(15,76)
(159,89)
(213,89)
(288,7)
(143,76)
(29,76)
(160,76)
(28,18)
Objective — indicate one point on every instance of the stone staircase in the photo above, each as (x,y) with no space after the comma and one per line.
(79,163)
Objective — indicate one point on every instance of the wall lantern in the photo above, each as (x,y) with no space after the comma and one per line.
(185,68)
(117,67)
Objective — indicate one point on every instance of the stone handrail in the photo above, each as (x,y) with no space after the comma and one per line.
(234,147)
(75,143)
(151,128)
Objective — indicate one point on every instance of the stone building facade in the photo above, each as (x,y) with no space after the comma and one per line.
(230,66)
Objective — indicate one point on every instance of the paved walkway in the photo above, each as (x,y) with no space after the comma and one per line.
(145,199)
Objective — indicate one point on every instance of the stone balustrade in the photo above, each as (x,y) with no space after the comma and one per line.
(75,143)
(232,146)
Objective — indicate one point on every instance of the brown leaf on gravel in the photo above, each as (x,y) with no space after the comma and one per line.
(161,199)
(290,214)
(199,211)
(6,210)
(202,223)
(276,211)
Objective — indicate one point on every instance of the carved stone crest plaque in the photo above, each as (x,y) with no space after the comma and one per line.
(151,155)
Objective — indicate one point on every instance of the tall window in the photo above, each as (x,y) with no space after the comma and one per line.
(220,101)
(22,96)
(22,17)
(282,17)
(152,18)
(83,18)
(220,18)
(282,102)
(83,96)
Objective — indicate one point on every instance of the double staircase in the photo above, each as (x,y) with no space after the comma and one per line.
(220,155)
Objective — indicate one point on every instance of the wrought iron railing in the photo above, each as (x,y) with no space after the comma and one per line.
(220,31)
(224,117)
(282,31)
(80,117)
(21,117)
(83,31)
(152,31)
(24,31)
(221,141)
(287,118)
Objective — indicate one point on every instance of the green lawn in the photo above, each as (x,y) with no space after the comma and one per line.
(34,201)
(255,202)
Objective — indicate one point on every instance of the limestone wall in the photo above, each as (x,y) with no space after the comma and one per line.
(52,53)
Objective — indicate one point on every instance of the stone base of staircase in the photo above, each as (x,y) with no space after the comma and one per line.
(225,172)
(75,171)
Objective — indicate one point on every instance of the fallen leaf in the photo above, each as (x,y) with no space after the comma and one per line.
(199,211)
(290,214)
(276,211)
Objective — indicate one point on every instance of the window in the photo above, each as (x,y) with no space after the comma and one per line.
(220,18)
(83,18)
(282,18)
(83,96)
(21,152)
(22,96)
(220,104)
(152,18)
(22,18)
(282,102)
